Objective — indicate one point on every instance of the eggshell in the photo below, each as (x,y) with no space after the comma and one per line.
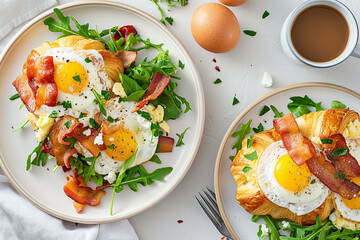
(215,28)
(232,3)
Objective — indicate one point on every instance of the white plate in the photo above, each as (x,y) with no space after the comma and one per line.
(45,188)
(236,218)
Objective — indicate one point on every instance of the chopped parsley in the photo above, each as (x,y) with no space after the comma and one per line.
(81,115)
(337,104)
(94,124)
(250,32)
(342,176)
(260,128)
(235,101)
(110,119)
(181,65)
(111,146)
(246,169)
(250,141)
(339,152)
(169,20)
(77,78)
(53,114)
(181,137)
(265,14)
(88,60)
(67,124)
(65,104)
(145,115)
(217,81)
(264,110)
(326,141)
(15,96)
(244,130)
(106,94)
(99,99)
(251,156)
(313,181)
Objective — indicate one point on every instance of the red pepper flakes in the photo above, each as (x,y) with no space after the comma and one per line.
(222,237)
(12,127)
(214,60)
(180,221)
(47,169)
(217,68)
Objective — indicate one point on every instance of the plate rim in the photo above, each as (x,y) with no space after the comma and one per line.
(237,121)
(196,79)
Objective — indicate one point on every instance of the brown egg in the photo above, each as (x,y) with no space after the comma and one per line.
(232,3)
(215,28)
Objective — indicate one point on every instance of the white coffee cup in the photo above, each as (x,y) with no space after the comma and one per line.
(352,48)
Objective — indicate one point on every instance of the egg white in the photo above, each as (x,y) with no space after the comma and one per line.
(139,126)
(84,101)
(299,203)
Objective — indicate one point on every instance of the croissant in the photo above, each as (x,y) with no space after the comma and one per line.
(248,192)
(329,122)
(113,65)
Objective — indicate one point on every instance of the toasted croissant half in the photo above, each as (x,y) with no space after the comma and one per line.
(250,196)
(329,122)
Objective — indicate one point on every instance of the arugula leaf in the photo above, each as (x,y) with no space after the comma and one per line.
(244,130)
(106,94)
(250,32)
(155,129)
(264,110)
(94,124)
(15,96)
(299,105)
(251,156)
(71,140)
(265,14)
(155,159)
(184,101)
(326,141)
(88,60)
(130,85)
(235,101)
(337,104)
(169,20)
(181,136)
(181,65)
(217,81)
(65,104)
(110,119)
(53,114)
(339,152)
(145,115)
(246,169)
(260,128)
(40,157)
(99,99)
(67,124)
(276,112)
(21,126)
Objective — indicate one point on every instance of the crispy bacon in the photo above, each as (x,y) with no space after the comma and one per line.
(26,94)
(88,141)
(157,86)
(125,32)
(106,130)
(81,182)
(82,195)
(47,147)
(299,147)
(67,155)
(126,57)
(166,144)
(346,164)
(326,172)
(37,87)
(65,131)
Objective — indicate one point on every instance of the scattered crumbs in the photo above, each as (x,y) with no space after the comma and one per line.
(214,60)
(47,169)
(180,221)
(217,68)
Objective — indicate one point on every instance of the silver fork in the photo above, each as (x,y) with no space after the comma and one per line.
(212,211)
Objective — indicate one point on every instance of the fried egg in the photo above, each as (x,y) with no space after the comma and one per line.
(77,74)
(350,209)
(135,137)
(288,185)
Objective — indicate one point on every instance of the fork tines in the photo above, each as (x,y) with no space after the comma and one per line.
(208,204)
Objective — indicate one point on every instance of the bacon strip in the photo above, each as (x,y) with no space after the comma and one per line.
(26,94)
(67,155)
(299,147)
(106,130)
(88,141)
(157,86)
(346,164)
(126,57)
(47,147)
(326,172)
(82,195)
(65,131)
(125,31)
(81,182)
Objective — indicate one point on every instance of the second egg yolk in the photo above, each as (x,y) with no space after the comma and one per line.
(355,202)
(121,145)
(70,77)
(291,176)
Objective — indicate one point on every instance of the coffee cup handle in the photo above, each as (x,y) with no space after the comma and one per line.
(356,52)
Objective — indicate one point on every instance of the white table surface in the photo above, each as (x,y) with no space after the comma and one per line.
(241,73)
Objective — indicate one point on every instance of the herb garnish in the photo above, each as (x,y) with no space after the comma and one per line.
(246,169)
(111,146)
(181,65)
(337,104)
(21,126)
(250,141)
(77,78)
(299,105)
(265,14)
(217,81)
(339,152)
(155,159)
(110,119)
(260,128)
(145,115)
(276,112)
(169,20)
(67,124)
(181,136)
(94,124)
(53,114)
(88,60)
(235,101)
(250,32)
(264,110)
(15,96)
(326,141)
(251,156)
(99,99)
(40,157)
(65,104)
(244,130)
(169,4)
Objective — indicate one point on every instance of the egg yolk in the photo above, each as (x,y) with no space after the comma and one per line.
(70,77)
(291,176)
(121,145)
(355,202)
